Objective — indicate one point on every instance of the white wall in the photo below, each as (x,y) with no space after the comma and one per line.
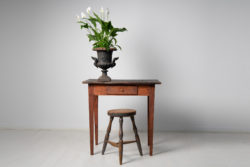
(199,49)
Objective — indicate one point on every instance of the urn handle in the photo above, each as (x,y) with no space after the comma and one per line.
(95,61)
(113,62)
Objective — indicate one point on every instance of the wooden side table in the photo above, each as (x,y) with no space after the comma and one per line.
(124,88)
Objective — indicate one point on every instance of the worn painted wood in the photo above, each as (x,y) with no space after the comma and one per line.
(100,89)
(124,88)
(95,110)
(121,112)
(144,90)
(121,90)
(91,119)
(148,118)
(151,119)
(122,82)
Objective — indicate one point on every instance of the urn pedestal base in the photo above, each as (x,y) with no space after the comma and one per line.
(104,77)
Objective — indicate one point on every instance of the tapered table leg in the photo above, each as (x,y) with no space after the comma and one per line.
(151,119)
(91,119)
(148,118)
(96,118)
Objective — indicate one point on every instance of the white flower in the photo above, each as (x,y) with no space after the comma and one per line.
(107,14)
(78,18)
(88,10)
(102,13)
(101,10)
(83,15)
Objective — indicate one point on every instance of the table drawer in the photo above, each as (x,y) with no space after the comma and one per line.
(122,90)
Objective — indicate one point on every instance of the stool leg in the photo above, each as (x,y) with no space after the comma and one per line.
(121,140)
(136,135)
(107,135)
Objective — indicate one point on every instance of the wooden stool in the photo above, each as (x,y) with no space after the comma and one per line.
(121,113)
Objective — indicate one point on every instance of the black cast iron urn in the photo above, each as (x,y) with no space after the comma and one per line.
(104,61)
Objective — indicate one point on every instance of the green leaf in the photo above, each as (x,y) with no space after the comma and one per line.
(97,17)
(81,22)
(119,47)
(93,20)
(110,26)
(114,31)
(91,37)
(121,29)
(85,26)
(114,40)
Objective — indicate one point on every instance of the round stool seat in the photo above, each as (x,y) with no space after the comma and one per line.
(121,112)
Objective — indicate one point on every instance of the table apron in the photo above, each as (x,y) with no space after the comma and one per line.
(141,90)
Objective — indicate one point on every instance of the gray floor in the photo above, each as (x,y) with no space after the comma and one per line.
(45,148)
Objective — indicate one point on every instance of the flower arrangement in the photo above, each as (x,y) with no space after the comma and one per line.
(100,29)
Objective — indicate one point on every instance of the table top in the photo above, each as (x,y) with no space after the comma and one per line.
(123,82)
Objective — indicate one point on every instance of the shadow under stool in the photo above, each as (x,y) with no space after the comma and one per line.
(121,113)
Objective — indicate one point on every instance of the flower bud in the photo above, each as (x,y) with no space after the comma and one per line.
(88,10)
